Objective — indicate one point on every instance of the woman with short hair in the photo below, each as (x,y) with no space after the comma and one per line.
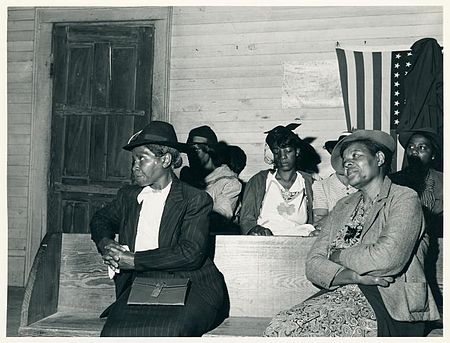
(368,258)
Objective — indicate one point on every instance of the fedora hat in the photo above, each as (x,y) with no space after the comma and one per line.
(202,135)
(376,136)
(329,145)
(428,132)
(156,132)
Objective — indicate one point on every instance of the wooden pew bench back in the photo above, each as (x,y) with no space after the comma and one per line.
(67,289)
(263,274)
(84,283)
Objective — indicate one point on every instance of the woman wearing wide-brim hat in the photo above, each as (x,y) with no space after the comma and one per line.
(368,258)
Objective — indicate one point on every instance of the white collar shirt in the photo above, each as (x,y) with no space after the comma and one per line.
(153,202)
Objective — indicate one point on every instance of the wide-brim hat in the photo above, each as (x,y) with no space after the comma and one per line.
(156,132)
(329,145)
(376,136)
(405,136)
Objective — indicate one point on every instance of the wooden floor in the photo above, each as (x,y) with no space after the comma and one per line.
(15,296)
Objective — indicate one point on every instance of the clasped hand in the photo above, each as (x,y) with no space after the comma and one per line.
(116,256)
(259,230)
(383,281)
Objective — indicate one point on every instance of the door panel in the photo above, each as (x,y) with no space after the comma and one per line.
(79,75)
(76,147)
(118,135)
(123,77)
(102,95)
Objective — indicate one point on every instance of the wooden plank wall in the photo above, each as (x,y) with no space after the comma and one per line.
(20,35)
(227,65)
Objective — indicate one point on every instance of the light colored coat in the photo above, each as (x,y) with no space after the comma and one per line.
(224,187)
(392,244)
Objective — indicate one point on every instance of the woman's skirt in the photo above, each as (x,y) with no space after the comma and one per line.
(343,312)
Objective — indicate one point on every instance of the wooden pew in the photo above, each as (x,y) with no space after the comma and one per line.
(67,289)
(264,275)
(68,286)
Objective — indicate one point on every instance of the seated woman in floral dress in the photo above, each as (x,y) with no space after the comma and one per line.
(368,258)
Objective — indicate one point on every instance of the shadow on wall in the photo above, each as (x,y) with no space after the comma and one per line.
(310,159)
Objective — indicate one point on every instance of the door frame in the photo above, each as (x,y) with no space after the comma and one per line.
(41,111)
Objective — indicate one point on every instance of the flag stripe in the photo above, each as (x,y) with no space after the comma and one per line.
(368,90)
(360,101)
(400,154)
(377,90)
(351,71)
(342,62)
(386,92)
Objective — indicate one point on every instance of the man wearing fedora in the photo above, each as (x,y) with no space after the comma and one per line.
(164,224)
(423,150)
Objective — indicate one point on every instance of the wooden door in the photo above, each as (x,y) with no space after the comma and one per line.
(101,95)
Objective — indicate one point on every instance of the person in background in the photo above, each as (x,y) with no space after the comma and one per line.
(368,258)
(329,190)
(210,159)
(165,225)
(200,140)
(279,201)
(237,159)
(237,162)
(422,150)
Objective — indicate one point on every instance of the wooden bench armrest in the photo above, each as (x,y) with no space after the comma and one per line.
(41,292)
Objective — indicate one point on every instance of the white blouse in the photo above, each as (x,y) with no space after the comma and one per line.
(284,212)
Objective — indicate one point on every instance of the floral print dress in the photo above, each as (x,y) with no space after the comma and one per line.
(343,312)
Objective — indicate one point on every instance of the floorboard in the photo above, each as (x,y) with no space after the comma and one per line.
(14,306)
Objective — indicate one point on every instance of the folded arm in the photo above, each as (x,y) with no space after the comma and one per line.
(392,250)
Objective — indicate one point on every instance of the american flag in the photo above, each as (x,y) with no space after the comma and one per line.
(372,82)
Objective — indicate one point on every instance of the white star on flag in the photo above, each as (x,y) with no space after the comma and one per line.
(410,53)
(397,65)
(406,73)
(396,112)
(396,103)
(408,64)
(396,84)
(396,93)
(396,121)
(398,56)
(396,75)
